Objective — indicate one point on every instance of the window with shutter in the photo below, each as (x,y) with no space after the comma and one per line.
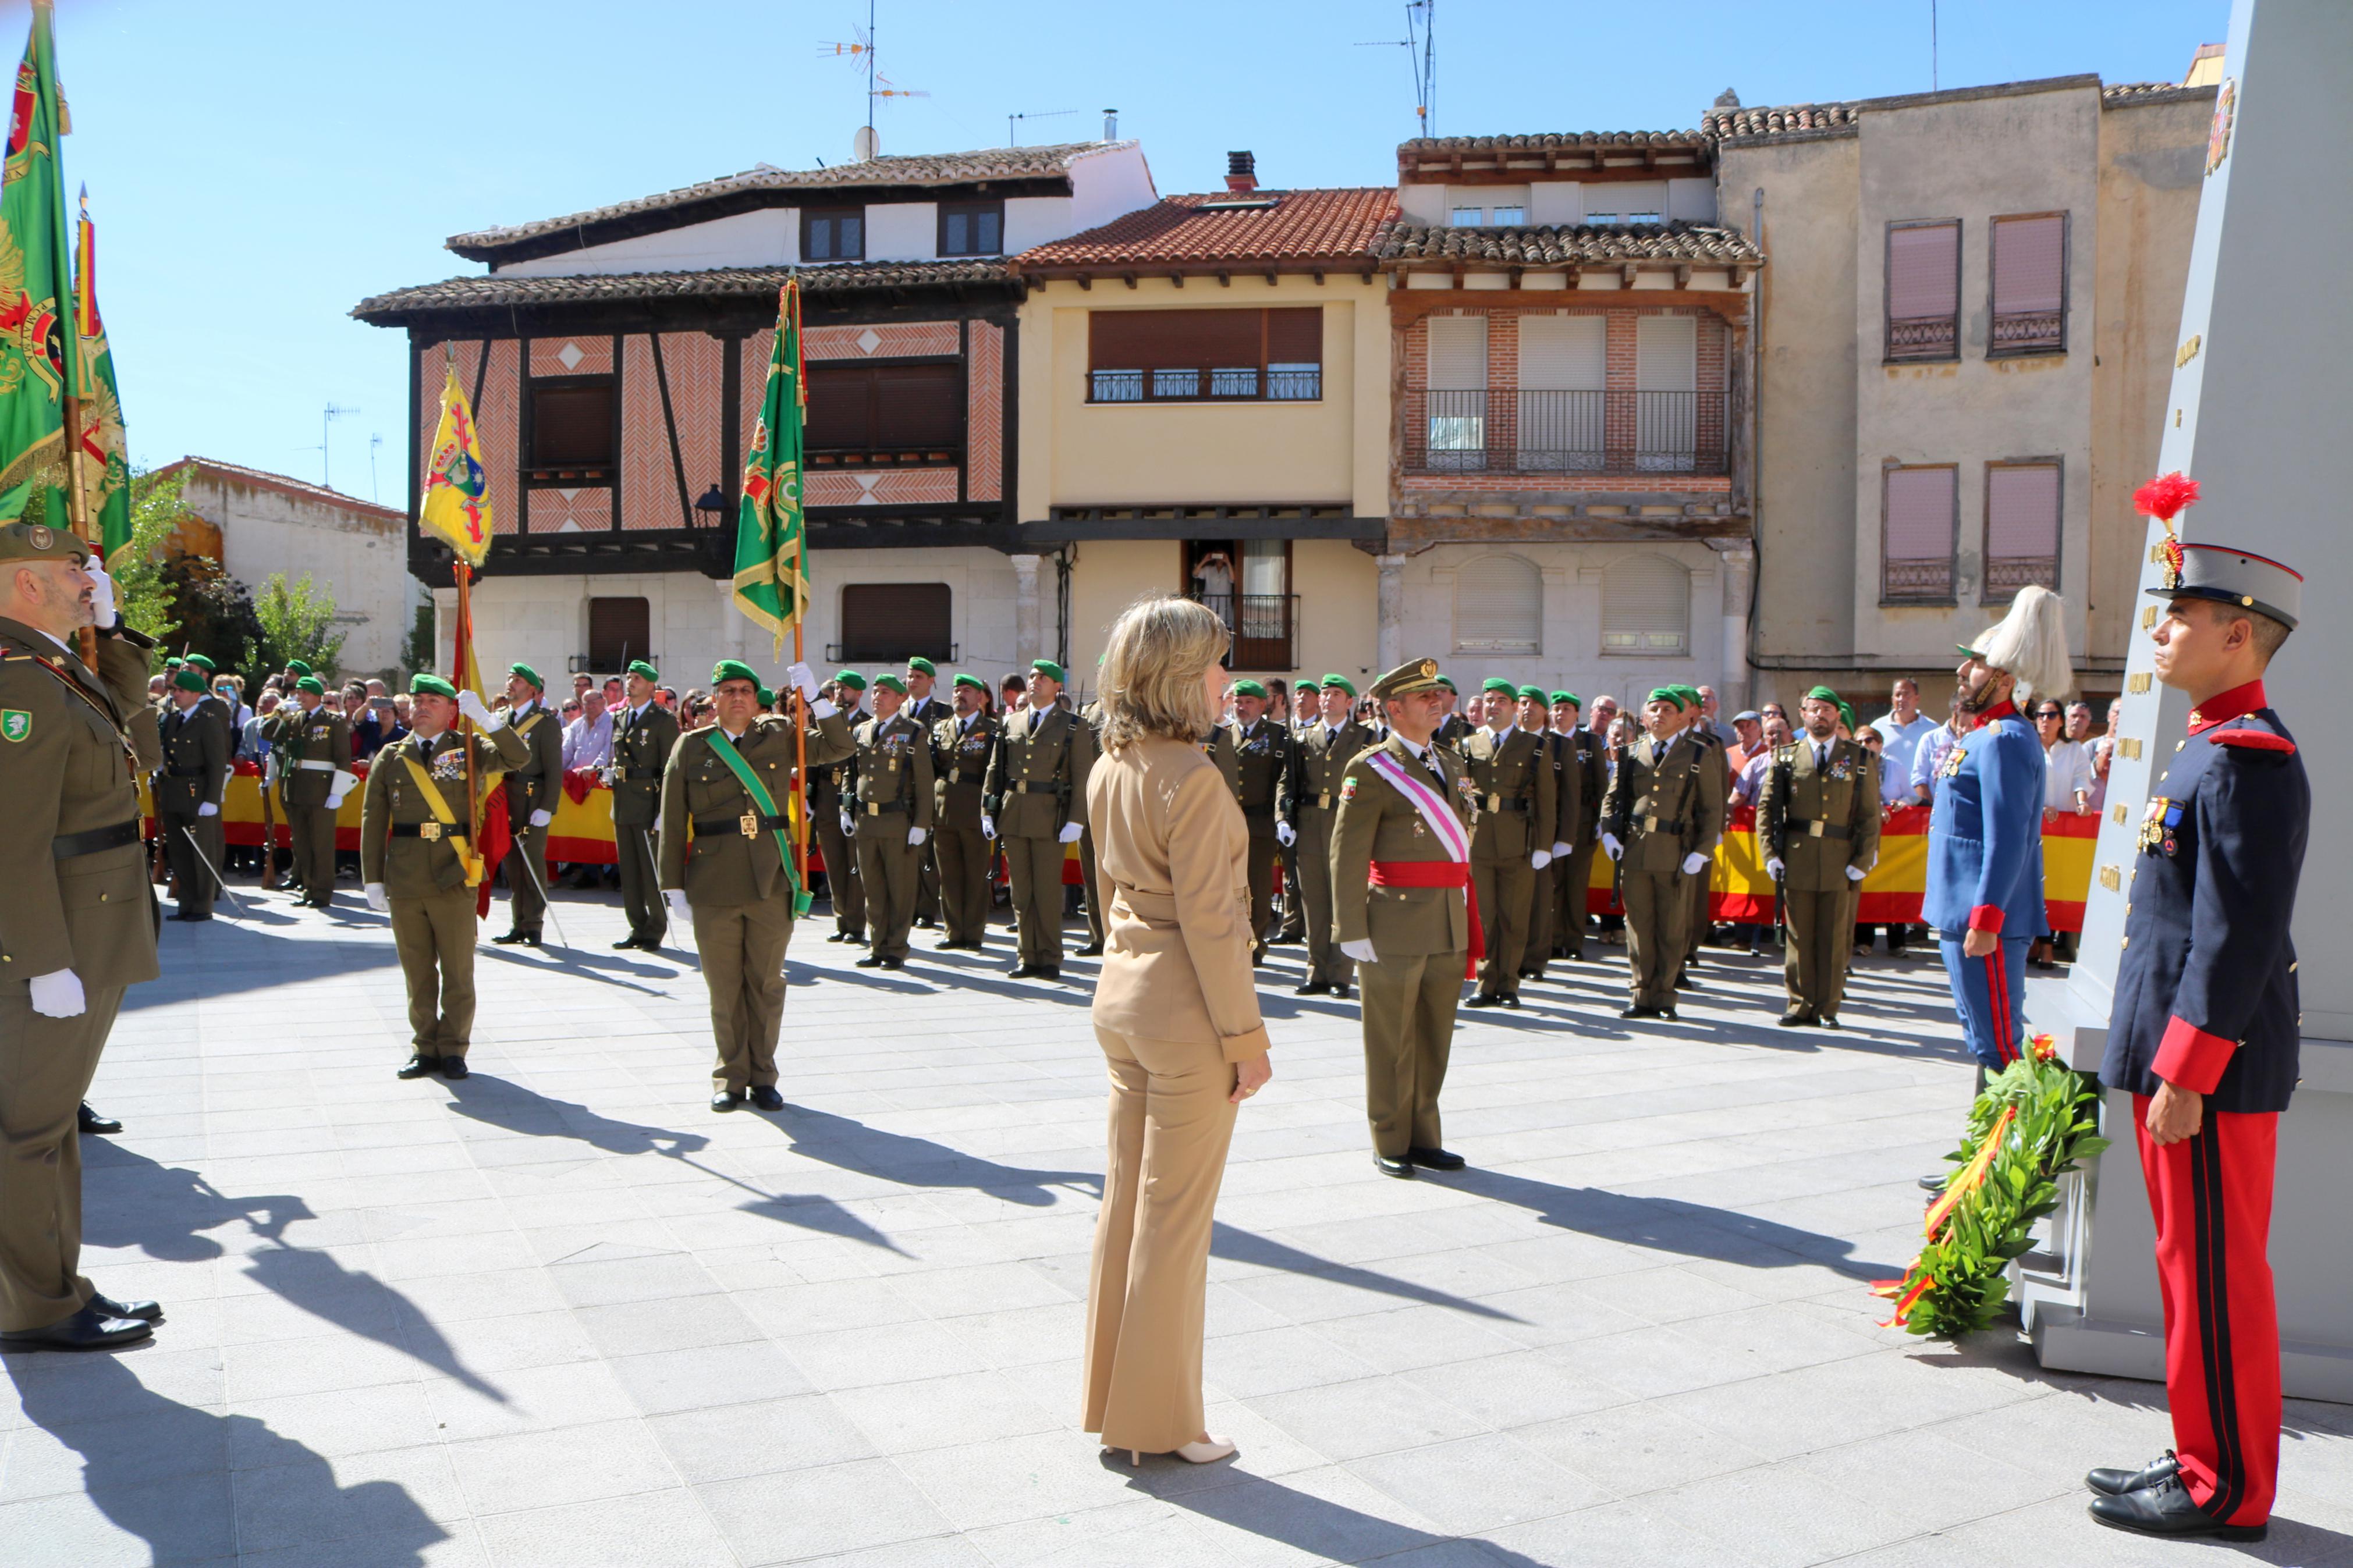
(1923,290)
(972,228)
(2021,528)
(572,429)
(865,414)
(2030,285)
(1666,399)
(1498,607)
(1564,373)
(1458,392)
(886,622)
(1140,356)
(1918,523)
(1646,607)
(833,234)
(619,631)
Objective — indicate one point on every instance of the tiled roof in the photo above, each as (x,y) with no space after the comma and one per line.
(284,484)
(912,170)
(1785,119)
(1253,226)
(1582,245)
(1550,141)
(2124,92)
(719,282)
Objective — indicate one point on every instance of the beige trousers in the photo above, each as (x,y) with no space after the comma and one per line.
(46,1066)
(1408,1021)
(1658,924)
(1821,928)
(311,829)
(964,883)
(633,844)
(742,948)
(1034,866)
(1171,1121)
(889,870)
(435,937)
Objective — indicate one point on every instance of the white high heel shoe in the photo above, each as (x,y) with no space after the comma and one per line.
(1208,1452)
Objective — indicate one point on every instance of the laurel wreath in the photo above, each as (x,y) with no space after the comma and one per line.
(2035,1122)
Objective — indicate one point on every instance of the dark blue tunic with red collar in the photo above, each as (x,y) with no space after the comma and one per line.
(2206,988)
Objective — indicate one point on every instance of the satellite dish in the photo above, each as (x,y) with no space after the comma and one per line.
(865,145)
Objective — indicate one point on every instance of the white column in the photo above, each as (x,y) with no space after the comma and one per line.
(1028,634)
(1738,569)
(732,621)
(1391,641)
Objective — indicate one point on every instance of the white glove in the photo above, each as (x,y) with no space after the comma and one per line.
(471,703)
(1286,835)
(101,605)
(541,818)
(848,823)
(57,995)
(342,782)
(916,835)
(1611,846)
(1071,831)
(1692,862)
(1773,868)
(1539,861)
(1559,850)
(376,899)
(1854,873)
(1362,952)
(334,803)
(803,680)
(676,899)
(209,809)
(987,825)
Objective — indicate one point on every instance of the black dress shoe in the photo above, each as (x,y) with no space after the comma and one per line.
(1484,1000)
(1023,971)
(1049,971)
(1794,1018)
(926,922)
(727,1100)
(145,1311)
(1311,988)
(88,1330)
(420,1066)
(1510,999)
(841,936)
(512,937)
(188,915)
(1638,1012)
(1401,1169)
(1092,949)
(872,961)
(628,941)
(1685,983)
(1340,991)
(454,1068)
(765,1097)
(1935,1183)
(1668,1013)
(2167,1509)
(91,1122)
(2112,1483)
(894,964)
(1827,1021)
(1435,1159)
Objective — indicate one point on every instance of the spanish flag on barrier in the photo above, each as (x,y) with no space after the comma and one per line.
(457,509)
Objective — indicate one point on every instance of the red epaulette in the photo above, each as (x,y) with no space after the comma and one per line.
(2253,739)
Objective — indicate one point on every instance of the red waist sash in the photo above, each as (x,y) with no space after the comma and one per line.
(1436,874)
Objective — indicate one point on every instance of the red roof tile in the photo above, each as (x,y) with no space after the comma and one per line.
(1254,226)
(284,484)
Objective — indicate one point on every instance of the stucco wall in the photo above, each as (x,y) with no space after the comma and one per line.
(1337,585)
(360,556)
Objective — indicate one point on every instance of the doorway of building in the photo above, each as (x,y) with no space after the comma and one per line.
(1246,582)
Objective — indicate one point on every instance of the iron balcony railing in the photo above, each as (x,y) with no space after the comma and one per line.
(1262,624)
(1236,384)
(1923,337)
(2028,332)
(1606,433)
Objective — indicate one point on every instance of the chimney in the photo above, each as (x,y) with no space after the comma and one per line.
(1111,124)
(1241,172)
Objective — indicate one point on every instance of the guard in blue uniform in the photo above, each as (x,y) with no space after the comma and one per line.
(1984,830)
(2203,1035)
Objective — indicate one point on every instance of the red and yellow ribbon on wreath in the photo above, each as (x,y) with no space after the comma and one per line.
(1908,1291)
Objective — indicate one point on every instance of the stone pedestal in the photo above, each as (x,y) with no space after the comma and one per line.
(1390,642)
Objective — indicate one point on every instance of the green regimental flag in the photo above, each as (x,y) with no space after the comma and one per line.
(103,468)
(770,544)
(35,372)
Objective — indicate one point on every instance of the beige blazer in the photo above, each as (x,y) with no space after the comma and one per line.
(1172,852)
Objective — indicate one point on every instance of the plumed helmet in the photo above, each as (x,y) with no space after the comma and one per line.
(2030,644)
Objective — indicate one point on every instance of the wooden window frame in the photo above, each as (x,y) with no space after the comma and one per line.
(2058,465)
(1148,389)
(569,476)
(974,208)
(594,665)
(882,651)
(1993,283)
(1887,291)
(847,209)
(1951,598)
(875,455)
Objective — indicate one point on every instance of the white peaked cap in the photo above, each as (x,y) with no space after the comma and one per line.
(2030,644)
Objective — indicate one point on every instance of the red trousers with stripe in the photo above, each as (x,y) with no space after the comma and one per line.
(2212,1197)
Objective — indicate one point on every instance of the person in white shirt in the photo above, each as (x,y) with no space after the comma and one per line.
(1900,731)
(2066,788)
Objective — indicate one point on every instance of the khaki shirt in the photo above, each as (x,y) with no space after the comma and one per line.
(1819,821)
(197,752)
(412,866)
(1516,788)
(890,775)
(1320,765)
(727,867)
(1038,779)
(1377,822)
(960,769)
(533,785)
(1663,805)
(641,749)
(323,735)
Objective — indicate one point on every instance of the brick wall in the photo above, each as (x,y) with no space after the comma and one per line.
(497,417)
(984,441)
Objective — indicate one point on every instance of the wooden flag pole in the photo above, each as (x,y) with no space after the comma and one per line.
(77,513)
(791,300)
(466,726)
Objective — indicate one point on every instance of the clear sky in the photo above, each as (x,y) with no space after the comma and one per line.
(257,167)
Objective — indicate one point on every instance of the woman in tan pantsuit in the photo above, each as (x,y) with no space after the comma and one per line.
(1176,1014)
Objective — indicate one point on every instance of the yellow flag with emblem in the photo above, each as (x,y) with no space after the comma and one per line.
(457,509)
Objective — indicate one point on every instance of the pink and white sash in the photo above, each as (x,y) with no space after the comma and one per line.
(1435,808)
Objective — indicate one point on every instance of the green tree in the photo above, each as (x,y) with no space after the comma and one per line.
(297,622)
(418,655)
(211,612)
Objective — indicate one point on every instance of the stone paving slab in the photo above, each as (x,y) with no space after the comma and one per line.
(560,1314)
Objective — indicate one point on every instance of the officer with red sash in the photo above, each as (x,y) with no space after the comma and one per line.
(2203,1035)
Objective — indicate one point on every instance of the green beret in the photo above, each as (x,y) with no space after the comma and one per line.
(1690,695)
(1666,694)
(311,684)
(431,686)
(1448,682)
(201,662)
(1249,689)
(1846,715)
(976,682)
(767,697)
(529,674)
(1536,692)
(174,662)
(919,665)
(1497,683)
(896,683)
(36,542)
(1568,697)
(734,669)
(298,667)
(189,679)
(1822,694)
(851,679)
(640,669)
(1342,682)
(1048,668)
(1309,686)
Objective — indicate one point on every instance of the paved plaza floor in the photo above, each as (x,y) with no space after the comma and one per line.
(560,1315)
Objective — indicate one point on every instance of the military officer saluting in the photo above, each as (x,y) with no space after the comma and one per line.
(197,752)
(961,747)
(1320,769)
(78,927)
(1400,877)
(889,811)
(531,803)
(313,743)
(1034,803)
(1818,824)
(2203,1035)
(1513,787)
(643,733)
(823,791)
(1261,772)
(1659,823)
(734,880)
(421,862)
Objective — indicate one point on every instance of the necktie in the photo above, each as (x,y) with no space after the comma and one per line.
(1822,759)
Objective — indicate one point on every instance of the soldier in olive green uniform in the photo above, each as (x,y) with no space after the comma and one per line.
(1090,888)
(1261,775)
(1307,695)
(1325,750)
(1698,915)
(826,795)
(1818,825)
(889,810)
(1400,863)
(1568,791)
(643,735)
(314,751)
(1035,803)
(734,880)
(1660,822)
(532,791)
(417,841)
(961,747)
(925,710)
(1453,727)
(78,926)
(197,752)
(1511,788)
(1589,758)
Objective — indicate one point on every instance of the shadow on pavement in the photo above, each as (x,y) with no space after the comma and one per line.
(501,1103)
(1323,1531)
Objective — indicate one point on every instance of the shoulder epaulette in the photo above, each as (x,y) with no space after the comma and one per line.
(2253,740)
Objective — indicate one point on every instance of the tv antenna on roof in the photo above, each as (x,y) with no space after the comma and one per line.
(1012,135)
(867,143)
(1420,45)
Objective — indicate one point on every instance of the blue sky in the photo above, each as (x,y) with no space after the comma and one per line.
(257,167)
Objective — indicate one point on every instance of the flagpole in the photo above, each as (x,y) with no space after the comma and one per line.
(792,299)
(466,725)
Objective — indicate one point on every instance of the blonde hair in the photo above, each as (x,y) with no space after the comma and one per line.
(1160,647)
